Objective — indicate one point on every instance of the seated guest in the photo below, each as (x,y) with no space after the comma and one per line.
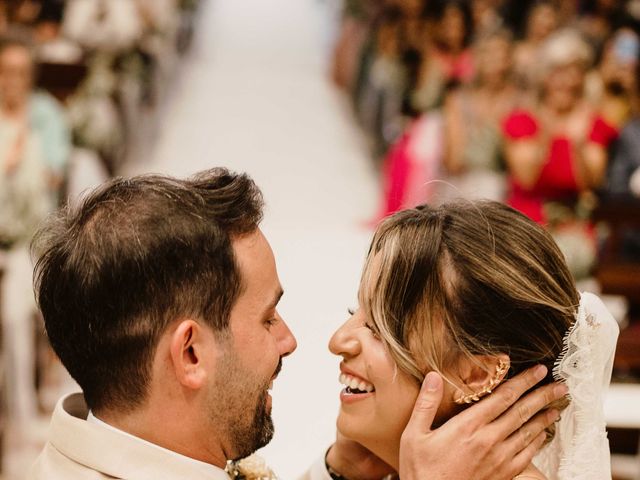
(599,18)
(24,12)
(37,111)
(379,101)
(51,45)
(612,86)
(473,115)
(541,22)
(486,17)
(109,26)
(446,58)
(620,103)
(624,173)
(34,146)
(556,150)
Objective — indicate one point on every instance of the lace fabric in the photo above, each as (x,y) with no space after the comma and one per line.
(580,448)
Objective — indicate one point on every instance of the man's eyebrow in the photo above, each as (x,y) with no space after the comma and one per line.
(276,300)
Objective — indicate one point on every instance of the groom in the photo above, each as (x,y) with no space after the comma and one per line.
(160,298)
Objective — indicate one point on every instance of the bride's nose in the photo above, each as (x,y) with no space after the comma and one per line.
(344,341)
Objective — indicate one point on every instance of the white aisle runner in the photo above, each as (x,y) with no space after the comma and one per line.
(254,97)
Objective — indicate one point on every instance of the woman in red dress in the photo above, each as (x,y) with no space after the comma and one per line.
(556,151)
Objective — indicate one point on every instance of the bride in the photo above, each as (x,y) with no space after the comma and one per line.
(478,293)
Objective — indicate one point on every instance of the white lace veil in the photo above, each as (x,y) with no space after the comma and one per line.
(580,448)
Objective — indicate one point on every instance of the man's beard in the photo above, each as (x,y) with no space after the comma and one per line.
(239,407)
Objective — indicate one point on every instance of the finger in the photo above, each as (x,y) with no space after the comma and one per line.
(527,407)
(426,406)
(503,398)
(523,459)
(524,436)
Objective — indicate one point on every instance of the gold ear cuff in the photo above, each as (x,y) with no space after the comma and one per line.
(501,369)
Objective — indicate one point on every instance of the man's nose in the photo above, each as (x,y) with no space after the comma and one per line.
(287,343)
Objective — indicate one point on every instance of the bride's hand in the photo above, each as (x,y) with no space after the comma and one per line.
(355,462)
(495,439)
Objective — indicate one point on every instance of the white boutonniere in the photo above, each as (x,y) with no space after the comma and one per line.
(250,468)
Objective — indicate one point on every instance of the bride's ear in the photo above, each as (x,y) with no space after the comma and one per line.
(479,376)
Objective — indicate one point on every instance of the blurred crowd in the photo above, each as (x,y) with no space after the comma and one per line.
(79,81)
(534,103)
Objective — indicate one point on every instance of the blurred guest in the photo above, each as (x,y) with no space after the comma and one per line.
(599,19)
(473,116)
(350,42)
(105,25)
(568,11)
(158,45)
(624,173)
(51,45)
(486,16)
(94,115)
(446,58)
(380,96)
(613,85)
(24,12)
(542,20)
(109,31)
(556,150)
(35,113)
(514,14)
(413,13)
(621,103)
(34,147)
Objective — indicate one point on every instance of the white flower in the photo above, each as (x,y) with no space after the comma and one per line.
(252,467)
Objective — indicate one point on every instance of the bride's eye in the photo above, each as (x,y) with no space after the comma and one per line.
(351,312)
(373,329)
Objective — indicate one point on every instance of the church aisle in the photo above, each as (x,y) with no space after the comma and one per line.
(254,97)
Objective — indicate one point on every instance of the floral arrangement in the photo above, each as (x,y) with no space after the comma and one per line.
(252,467)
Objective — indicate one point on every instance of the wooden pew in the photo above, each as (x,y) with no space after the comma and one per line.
(60,79)
(620,275)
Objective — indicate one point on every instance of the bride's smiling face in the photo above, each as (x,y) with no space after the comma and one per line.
(378,397)
(440,292)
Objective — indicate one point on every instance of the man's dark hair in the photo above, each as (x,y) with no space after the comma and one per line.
(137,254)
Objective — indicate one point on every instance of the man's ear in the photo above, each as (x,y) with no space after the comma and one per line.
(480,375)
(188,344)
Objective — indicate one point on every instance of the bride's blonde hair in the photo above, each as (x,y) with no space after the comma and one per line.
(467,278)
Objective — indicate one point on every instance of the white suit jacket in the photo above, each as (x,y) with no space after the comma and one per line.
(81,450)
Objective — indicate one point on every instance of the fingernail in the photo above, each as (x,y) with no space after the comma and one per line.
(560,390)
(553,415)
(540,372)
(433,382)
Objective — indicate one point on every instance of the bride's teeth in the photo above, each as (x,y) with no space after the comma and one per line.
(355,384)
